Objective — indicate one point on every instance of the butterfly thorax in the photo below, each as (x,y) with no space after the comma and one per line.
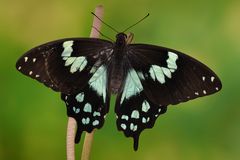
(116,69)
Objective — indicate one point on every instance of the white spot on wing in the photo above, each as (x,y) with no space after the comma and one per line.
(34,60)
(30,73)
(76,110)
(25,59)
(171,61)
(37,76)
(123,126)
(80,97)
(69,60)
(96,114)
(67,49)
(87,108)
(141,76)
(79,63)
(212,79)
(96,122)
(83,65)
(145,106)
(19,67)
(135,114)
(85,120)
(203,78)
(133,127)
(167,72)
(148,119)
(93,69)
(144,120)
(204,92)
(98,82)
(132,86)
(157,73)
(196,93)
(124,117)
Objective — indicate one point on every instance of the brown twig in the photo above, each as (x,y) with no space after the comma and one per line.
(71,122)
(70,138)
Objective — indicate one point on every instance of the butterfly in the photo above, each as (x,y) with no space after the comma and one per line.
(146,79)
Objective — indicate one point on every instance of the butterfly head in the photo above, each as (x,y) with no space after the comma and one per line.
(121,39)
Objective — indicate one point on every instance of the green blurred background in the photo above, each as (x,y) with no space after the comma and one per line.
(33,118)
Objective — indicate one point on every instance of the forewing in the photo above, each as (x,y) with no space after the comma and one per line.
(135,111)
(169,76)
(90,105)
(65,65)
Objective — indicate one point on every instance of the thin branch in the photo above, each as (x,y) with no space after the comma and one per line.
(87,146)
(70,138)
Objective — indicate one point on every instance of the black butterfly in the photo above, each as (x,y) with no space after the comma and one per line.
(146,79)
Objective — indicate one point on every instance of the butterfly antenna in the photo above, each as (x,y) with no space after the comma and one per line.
(101,33)
(104,22)
(136,22)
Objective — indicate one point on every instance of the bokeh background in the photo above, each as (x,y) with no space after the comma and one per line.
(33,118)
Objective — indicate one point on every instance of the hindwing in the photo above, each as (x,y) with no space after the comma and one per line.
(90,105)
(135,111)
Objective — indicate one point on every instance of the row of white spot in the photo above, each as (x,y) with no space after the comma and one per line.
(77,63)
(136,115)
(87,109)
(212,80)
(158,73)
(204,91)
(204,78)
(30,72)
(26,59)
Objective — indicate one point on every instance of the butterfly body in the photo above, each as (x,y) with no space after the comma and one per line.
(146,79)
(116,66)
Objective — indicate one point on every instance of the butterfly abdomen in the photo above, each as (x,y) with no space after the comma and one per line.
(116,78)
(116,74)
